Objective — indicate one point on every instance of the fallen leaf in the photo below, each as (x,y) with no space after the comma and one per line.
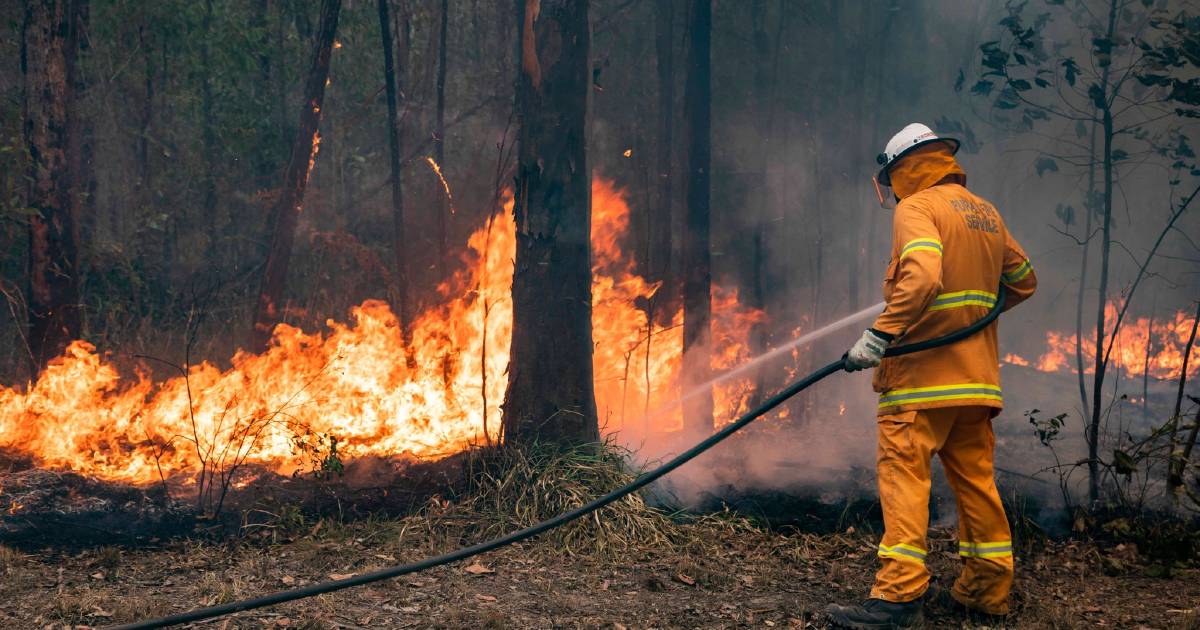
(604,585)
(484,598)
(685,579)
(385,557)
(478,569)
(99,612)
(287,579)
(618,626)
(341,576)
(99,575)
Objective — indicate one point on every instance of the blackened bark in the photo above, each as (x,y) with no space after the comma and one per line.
(47,56)
(550,395)
(659,258)
(286,212)
(439,140)
(697,256)
(399,246)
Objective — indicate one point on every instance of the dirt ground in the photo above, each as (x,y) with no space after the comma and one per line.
(728,576)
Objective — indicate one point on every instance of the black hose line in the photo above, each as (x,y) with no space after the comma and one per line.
(566,517)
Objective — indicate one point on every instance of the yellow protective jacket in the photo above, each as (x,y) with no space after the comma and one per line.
(950,253)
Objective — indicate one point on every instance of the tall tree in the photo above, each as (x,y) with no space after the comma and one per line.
(659,263)
(697,255)
(48,65)
(285,214)
(439,139)
(765,78)
(399,248)
(209,186)
(550,394)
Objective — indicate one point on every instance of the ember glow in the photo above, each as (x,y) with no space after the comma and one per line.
(351,382)
(1141,346)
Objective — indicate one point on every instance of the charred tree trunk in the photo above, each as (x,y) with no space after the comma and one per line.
(697,257)
(439,140)
(399,247)
(286,212)
(47,59)
(550,395)
(659,259)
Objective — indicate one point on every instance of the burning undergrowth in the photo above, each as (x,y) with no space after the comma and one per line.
(318,406)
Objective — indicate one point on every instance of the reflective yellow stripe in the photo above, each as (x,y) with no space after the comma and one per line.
(963,298)
(1018,274)
(901,551)
(923,244)
(985,549)
(961,391)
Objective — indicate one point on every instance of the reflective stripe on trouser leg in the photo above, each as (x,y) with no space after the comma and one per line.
(906,444)
(985,543)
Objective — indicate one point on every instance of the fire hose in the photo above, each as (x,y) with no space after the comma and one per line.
(566,517)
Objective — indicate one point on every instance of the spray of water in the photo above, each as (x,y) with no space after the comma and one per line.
(770,355)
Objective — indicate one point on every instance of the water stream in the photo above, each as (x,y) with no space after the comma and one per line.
(770,355)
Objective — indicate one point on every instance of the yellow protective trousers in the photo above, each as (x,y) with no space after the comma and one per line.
(962,437)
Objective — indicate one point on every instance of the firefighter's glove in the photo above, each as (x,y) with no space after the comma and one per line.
(868,351)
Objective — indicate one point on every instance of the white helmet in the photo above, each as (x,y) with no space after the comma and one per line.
(910,137)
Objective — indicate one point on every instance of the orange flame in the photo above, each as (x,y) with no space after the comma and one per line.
(352,383)
(1141,346)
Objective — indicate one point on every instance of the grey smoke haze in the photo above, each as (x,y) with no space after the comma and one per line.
(804,97)
(844,77)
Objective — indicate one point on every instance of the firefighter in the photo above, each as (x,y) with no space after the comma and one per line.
(950,253)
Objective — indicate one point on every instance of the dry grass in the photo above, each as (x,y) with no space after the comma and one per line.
(512,488)
(10,559)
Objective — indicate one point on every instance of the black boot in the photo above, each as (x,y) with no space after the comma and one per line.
(879,613)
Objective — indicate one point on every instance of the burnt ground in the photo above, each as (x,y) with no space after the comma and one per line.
(716,574)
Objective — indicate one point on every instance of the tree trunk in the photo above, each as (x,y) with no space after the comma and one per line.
(47,60)
(1088,211)
(658,261)
(1180,456)
(697,256)
(286,212)
(1102,300)
(439,140)
(81,135)
(765,74)
(399,246)
(550,395)
(210,123)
